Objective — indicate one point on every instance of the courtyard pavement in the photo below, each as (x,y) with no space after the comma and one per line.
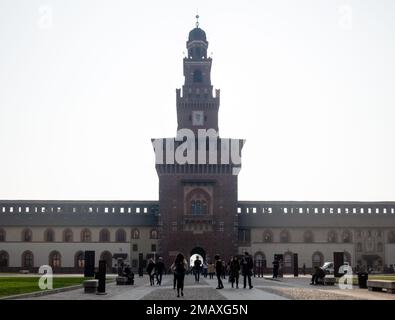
(264,289)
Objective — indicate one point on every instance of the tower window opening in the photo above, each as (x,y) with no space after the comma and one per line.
(197,76)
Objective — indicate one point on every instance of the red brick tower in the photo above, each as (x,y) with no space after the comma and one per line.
(198,195)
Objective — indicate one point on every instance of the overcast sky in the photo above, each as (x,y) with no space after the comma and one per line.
(85,85)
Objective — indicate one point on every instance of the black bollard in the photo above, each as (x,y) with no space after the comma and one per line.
(89,265)
(101,276)
(296,266)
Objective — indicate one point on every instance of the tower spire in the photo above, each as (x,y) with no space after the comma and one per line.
(197,21)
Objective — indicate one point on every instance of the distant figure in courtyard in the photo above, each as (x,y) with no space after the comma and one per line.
(319,273)
(280,268)
(234,271)
(304,269)
(224,269)
(159,270)
(180,266)
(276,265)
(151,271)
(196,268)
(205,269)
(211,270)
(219,269)
(246,268)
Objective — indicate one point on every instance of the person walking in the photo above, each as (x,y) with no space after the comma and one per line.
(196,268)
(219,270)
(246,267)
(159,270)
(150,271)
(234,271)
(304,269)
(180,266)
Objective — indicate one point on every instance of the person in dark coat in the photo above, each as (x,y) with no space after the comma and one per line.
(179,267)
(196,268)
(319,273)
(246,268)
(276,266)
(219,270)
(150,271)
(129,274)
(159,270)
(234,270)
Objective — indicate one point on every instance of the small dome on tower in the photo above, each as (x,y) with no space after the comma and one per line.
(197,34)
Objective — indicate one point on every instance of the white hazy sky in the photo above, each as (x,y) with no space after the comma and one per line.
(85,85)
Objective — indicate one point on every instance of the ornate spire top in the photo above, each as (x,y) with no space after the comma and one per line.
(197,21)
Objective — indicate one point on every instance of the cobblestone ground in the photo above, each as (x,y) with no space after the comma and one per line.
(264,289)
(192,291)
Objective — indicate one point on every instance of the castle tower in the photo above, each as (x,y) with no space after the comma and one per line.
(198,194)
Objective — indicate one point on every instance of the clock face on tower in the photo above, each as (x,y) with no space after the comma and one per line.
(197,118)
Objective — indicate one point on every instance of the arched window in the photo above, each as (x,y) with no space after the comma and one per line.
(317,259)
(27,259)
(308,236)
(104,235)
(27,235)
(197,76)
(154,234)
(49,235)
(267,236)
(260,260)
(284,236)
(55,259)
(4,258)
(359,247)
(288,262)
(79,260)
(346,236)
(68,235)
(391,237)
(332,236)
(380,247)
(86,235)
(2,235)
(347,257)
(120,235)
(107,256)
(199,202)
(199,207)
(135,234)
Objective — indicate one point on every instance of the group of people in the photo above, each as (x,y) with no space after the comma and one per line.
(245,265)
(155,270)
(235,265)
(124,270)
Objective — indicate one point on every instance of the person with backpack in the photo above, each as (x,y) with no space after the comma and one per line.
(247,266)
(179,267)
(219,270)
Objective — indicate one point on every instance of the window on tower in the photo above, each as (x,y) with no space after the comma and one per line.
(197,76)
(199,207)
